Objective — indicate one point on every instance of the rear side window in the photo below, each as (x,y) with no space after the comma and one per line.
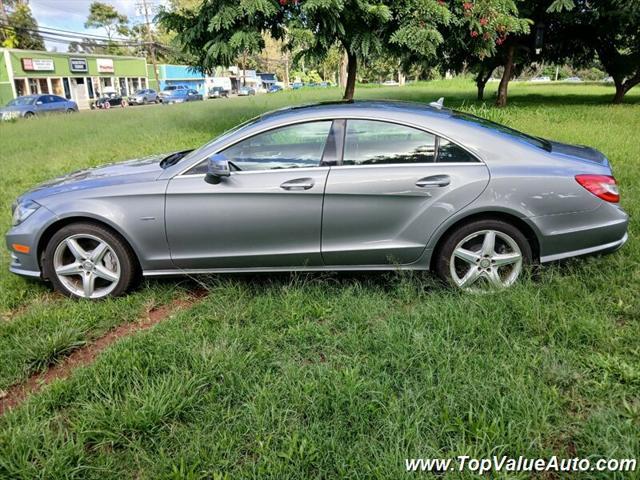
(372,142)
(449,152)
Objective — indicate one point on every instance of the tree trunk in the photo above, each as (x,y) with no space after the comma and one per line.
(622,87)
(352,68)
(620,92)
(483,76)
(401,78)
(480,86)
(506,76)
(343,70)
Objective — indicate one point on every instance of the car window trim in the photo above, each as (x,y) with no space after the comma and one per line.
(437,136)
(246,137)
(478,157)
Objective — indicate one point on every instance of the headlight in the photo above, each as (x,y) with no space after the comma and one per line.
(23,211)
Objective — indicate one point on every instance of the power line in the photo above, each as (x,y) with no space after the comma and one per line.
(79,38)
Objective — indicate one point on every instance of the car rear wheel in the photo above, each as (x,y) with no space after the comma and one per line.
(29,115)
(483,255)
(86,260)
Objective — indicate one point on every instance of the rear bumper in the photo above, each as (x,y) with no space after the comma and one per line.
(605,248)
(581,233)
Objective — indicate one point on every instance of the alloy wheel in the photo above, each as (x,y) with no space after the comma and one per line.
(485,260)
(87,266)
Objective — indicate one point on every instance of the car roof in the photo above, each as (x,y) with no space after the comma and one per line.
(360,106)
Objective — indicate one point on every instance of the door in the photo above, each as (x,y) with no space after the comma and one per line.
(395,186)
(267,213)
(57,104)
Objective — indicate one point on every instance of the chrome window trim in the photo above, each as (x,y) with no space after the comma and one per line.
(478,157)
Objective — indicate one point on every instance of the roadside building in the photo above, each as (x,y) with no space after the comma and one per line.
(268,80)
(78,77)
(181,75)
(244,78)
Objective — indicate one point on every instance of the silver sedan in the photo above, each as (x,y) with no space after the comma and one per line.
(339,186)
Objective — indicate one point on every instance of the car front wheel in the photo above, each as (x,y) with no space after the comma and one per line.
(483,255)
(86,260)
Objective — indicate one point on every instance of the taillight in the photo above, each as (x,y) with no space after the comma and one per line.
(602,186)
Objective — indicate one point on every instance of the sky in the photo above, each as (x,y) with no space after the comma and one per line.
(71,15)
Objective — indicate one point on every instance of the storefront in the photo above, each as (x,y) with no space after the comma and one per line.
(78,77)
(180,75)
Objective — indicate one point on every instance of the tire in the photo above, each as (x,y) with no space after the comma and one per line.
(29,115)
(90,271)
(70,110)
(478,266)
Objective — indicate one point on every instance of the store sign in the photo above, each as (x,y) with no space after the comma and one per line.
(78,65)
(105,65)
(37,64)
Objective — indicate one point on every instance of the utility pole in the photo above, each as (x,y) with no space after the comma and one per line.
(152,46)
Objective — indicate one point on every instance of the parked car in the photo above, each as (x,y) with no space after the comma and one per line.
(109,100)
(274,89)
(297,85)
(245,91)
(181,96)
(342,186)
(169,90)
(573,80)
(390,83)
(33,105)
(144,96)
(218,92)
(540,79)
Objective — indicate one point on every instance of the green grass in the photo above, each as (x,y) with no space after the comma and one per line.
(320,376)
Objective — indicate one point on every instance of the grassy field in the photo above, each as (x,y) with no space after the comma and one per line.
(324,376)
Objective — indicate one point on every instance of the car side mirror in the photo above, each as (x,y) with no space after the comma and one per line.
(39,102)
(217,169)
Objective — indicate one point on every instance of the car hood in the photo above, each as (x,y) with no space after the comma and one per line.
(579,151)
(131,171)
(14,108)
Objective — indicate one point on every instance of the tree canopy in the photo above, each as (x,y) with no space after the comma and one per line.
(18,27)
(105,16)
(219,31)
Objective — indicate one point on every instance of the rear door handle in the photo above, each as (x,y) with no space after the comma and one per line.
(298,184)
(434,181)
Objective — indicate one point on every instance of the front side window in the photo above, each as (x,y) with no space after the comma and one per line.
(372,142)
(294,146)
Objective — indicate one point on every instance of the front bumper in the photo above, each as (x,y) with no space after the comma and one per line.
(28,233)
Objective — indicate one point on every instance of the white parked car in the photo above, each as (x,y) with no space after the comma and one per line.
(541,79)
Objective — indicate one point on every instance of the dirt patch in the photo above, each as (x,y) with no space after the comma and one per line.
(85,355)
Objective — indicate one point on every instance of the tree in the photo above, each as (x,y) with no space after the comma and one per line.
(610,28)
(21,30)
(103,15)
(475,37)
(219,31)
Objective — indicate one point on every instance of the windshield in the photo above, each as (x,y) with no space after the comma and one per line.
(219,138)
(21,101)
(140,92)
(483,122)
(168,89)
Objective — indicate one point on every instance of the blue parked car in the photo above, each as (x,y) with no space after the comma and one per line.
(274,89)
(182,95)
(32,105)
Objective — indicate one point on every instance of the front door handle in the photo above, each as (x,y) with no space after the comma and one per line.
(298,184)
(434,181)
